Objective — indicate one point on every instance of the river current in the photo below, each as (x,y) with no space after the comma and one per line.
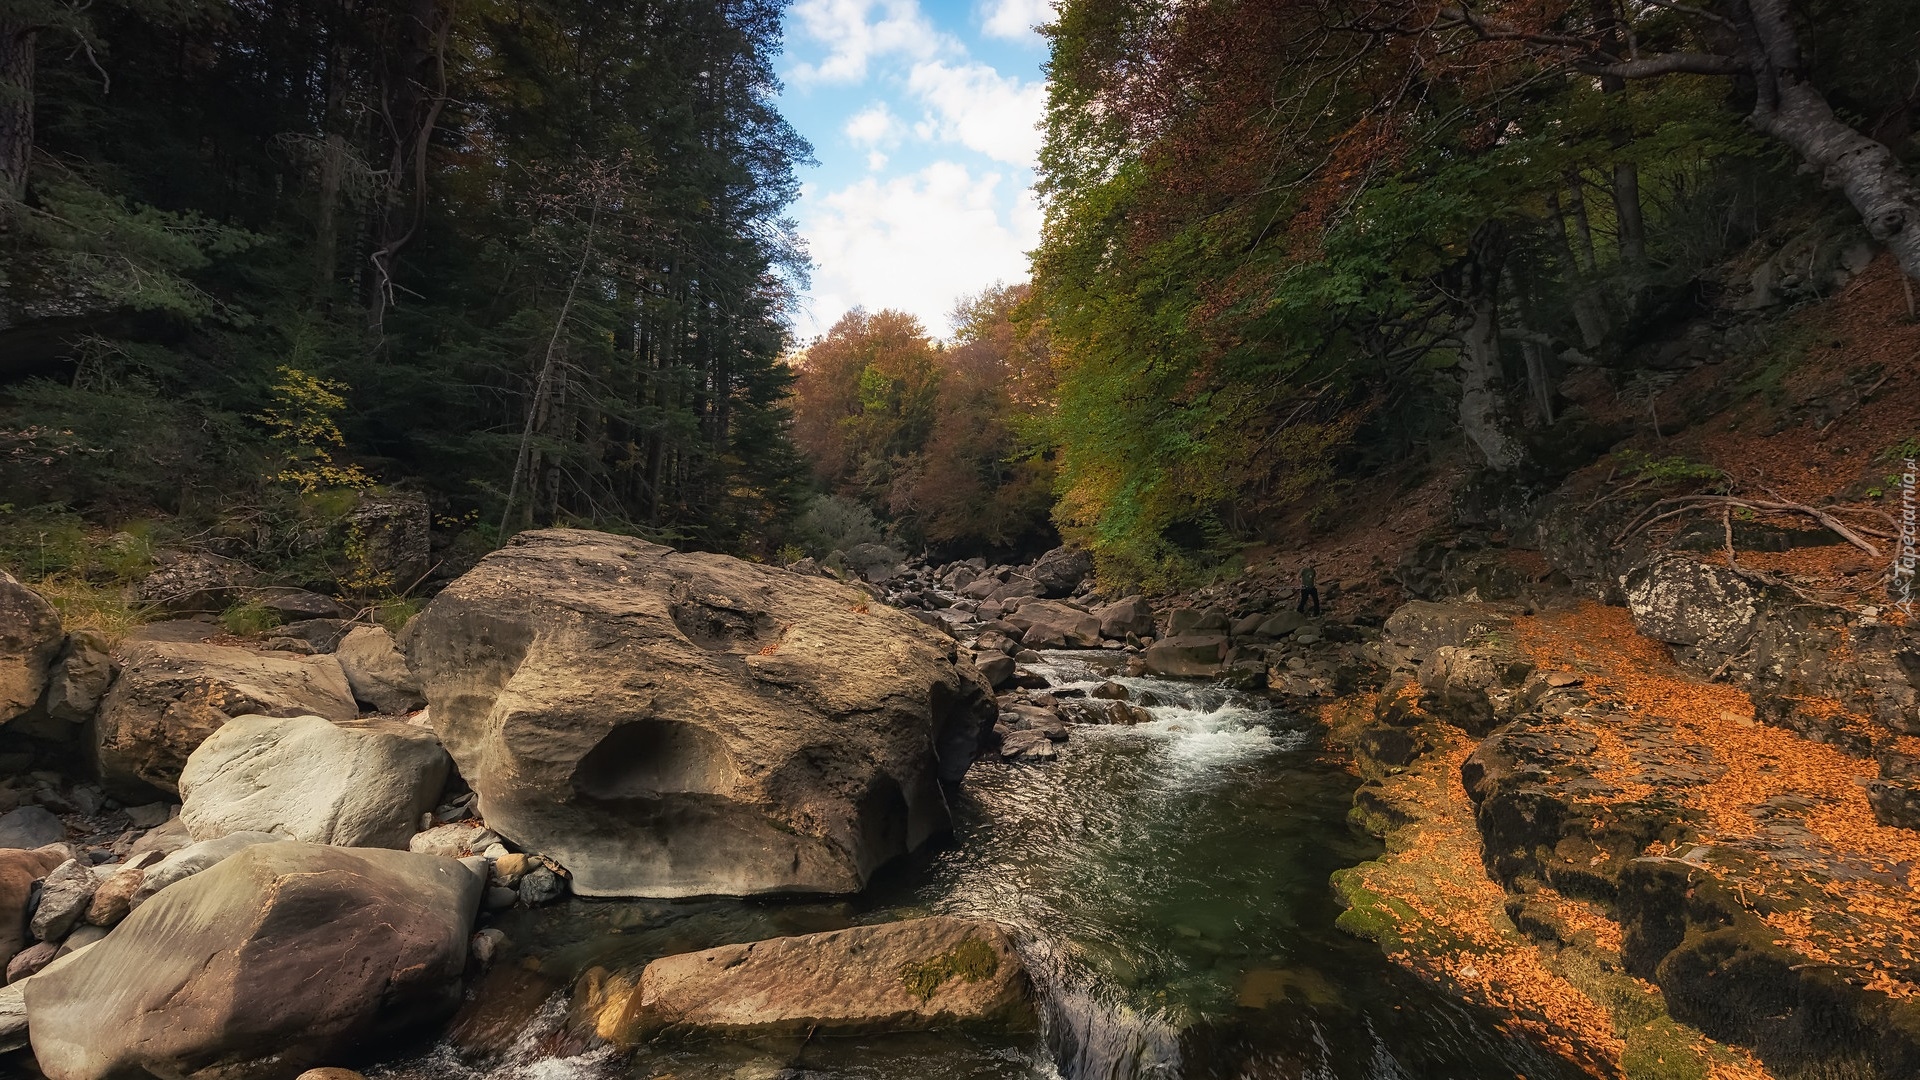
(1166,882)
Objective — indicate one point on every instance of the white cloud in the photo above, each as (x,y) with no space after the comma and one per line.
(873,125)
(1015,19)
(916,243)
(857,32)
(876,161)
(981,109)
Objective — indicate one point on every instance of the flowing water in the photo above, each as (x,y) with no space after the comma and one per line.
(1167,884)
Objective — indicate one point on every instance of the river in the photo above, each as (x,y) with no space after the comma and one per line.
(1167,883)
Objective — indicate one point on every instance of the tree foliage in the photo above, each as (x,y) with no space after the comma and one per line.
(537,249)
(945,440)
(1285,239)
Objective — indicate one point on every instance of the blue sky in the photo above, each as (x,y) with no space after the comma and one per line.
(923,116)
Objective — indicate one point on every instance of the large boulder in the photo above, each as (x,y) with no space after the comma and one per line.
(1708,609)
(79,679)
(667,724)
(1060,572)
(283,957)
(18,871)
(1128,615)
(918,975)
(29,640)
(30,827)
(193,581)
(354,784)
(1187,655)
(389,534)
(377,672)
(171,695)
(1046,624)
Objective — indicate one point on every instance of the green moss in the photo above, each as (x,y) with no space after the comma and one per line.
(971,961)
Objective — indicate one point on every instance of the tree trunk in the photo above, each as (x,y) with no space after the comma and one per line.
(1589,308)
(1633,224)
(1483,412)
(1863,169)
(17,40)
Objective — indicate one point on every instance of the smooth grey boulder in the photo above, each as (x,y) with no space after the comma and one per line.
(352,784)
(30,827)
(666,724)
(283,957)
(195,858)
(171,695)
(1187,655)
(377,672)
(30,638)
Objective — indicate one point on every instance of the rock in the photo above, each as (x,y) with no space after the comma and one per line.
(114,898)
(918,975)
(148,815)
(1895,803)
(30,827)
(486,945)
(295,605)
(31,961)
(500,898)
(323,634)
(1028,746)
(171,696)
(377,672)
(507,870)
(1684,602)
(64,896)
(194,859)
(13,1019)
(1129,615)
(165,838)
(541,886)
(1281,623)
(1048,624)
(348,1074)
(281,957)
(669,724)
(30,639)
(1187,655)
(1111,691)
(190,631)
(997,668)
(79,678)
(186,582)
(18,871)
(453,841)
(1060,572)
(876,563)
(355,784)
(81,937)
(392,535)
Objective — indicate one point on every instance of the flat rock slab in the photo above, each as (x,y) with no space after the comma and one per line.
(917,975)
(171,695)
(280,958)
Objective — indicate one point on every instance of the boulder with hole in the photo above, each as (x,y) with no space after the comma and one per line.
(667,724)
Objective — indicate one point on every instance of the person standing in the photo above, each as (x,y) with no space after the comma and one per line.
(1308,591)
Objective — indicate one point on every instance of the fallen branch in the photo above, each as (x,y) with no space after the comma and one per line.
(1695,502)
(1826,429)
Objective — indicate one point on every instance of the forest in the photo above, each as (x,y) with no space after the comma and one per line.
(535,262)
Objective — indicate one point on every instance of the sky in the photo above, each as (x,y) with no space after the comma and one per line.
(924,117)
